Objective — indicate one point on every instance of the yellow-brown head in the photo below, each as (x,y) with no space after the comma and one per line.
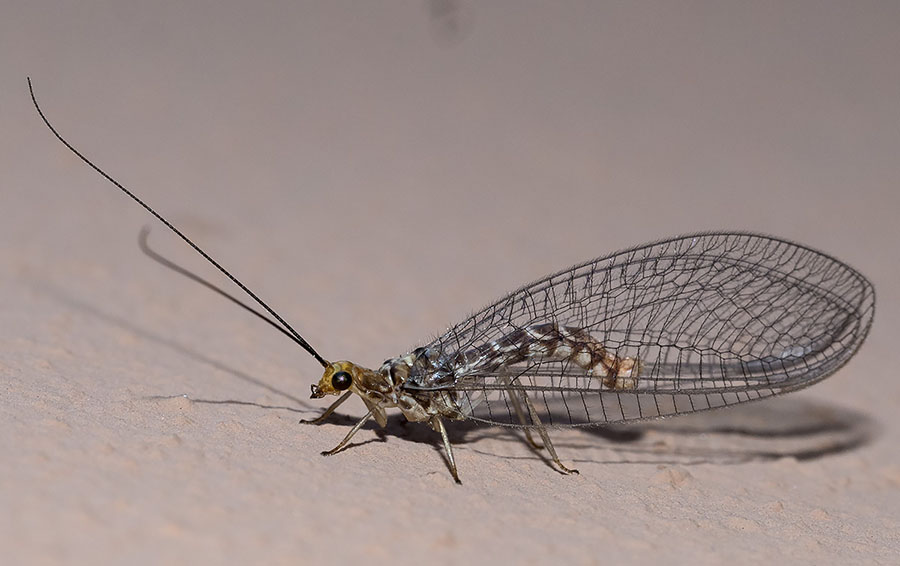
(338,377)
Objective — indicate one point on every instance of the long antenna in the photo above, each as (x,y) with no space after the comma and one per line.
(296,336)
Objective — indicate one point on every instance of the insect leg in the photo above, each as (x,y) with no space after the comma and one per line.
(514,399)
(536,420)
(329,411)
(350,434)
(438,425)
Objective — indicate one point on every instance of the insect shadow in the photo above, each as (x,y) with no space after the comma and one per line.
(803,429)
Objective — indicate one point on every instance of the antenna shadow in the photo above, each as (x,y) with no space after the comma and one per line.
(92,310)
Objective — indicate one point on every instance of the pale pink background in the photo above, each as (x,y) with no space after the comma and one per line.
(376,170)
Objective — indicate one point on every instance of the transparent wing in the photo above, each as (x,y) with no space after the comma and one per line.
(712,320)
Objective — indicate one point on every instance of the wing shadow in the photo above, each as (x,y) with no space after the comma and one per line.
(784,427)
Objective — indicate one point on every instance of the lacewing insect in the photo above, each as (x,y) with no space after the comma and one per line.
(672,327)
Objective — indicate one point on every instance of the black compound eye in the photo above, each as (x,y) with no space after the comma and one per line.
(341,380)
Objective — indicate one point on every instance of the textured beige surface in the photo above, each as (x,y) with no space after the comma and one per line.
(376,171)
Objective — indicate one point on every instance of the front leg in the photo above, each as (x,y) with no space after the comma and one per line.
(329,411)
(350,434)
